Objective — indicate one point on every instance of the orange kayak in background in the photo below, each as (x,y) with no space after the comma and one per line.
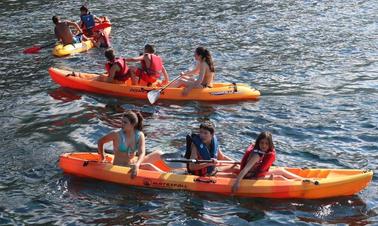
(87,82)
(318,183)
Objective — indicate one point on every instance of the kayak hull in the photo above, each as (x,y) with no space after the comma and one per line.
(87,82)
(323,183)
(61,50)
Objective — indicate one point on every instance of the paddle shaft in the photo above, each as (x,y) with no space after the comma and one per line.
(200,161)
(166,86)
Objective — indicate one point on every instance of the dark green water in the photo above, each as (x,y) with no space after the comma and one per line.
(315,62)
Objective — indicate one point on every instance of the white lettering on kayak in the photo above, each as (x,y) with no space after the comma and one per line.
(223,93)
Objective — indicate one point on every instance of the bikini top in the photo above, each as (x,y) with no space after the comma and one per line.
(122,142)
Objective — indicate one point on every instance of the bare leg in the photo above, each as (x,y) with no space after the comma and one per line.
(102,78)
(280,172)
(151,167)
(153,157)
(181,82)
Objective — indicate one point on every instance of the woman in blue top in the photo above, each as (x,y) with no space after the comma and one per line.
(129,145)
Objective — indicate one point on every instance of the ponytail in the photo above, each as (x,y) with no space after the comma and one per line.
(139,125)
(135,118)
(205,54)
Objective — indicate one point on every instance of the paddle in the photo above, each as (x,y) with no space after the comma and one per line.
(200,161)
(101,26)
(36,49)
(154,95)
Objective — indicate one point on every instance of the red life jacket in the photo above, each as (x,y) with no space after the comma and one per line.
(156,66)
(120,75)
(262,166)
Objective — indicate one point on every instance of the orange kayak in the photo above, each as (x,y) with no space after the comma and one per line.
(318,183)
(88,82)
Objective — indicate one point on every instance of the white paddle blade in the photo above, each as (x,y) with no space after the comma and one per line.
(153,96)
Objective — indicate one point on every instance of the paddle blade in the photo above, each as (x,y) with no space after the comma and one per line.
(153,96)
(102,26)
(31,50)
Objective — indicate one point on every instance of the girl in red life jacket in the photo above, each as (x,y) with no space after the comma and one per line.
(151,67)
(258,159)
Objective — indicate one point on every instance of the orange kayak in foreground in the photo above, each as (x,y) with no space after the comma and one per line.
(318,183)
(88,82)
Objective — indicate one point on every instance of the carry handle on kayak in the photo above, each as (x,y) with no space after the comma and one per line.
(200,161)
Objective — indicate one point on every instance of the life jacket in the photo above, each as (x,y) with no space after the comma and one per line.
(88,21)
(121,74)
(203,152)
(156,66)
(262,166)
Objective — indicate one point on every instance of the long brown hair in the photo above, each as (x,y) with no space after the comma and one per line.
(135,118)
(205,54)
(264,135)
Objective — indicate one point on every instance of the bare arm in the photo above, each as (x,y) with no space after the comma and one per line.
(135,59)
(222,156)
(195,71)
(97,19)
(202,72)
(141,149)
(196,166)
(113,71)
(103,140)
(141,155)
(166,76)
(252,161)
(75,25)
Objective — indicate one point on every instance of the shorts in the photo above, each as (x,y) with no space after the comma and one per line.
(77,39)
(144,76)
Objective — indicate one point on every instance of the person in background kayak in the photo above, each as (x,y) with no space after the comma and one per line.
(116,68)
(205,146)
(87,20)
(129,145)
(151,67)
(63,33)
(100,39)
(257,160)
(205,70)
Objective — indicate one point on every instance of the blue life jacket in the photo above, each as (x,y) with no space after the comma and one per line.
(203,151)
(88,21)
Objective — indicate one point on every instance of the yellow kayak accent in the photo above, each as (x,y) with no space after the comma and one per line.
(317,183)
(61,50)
